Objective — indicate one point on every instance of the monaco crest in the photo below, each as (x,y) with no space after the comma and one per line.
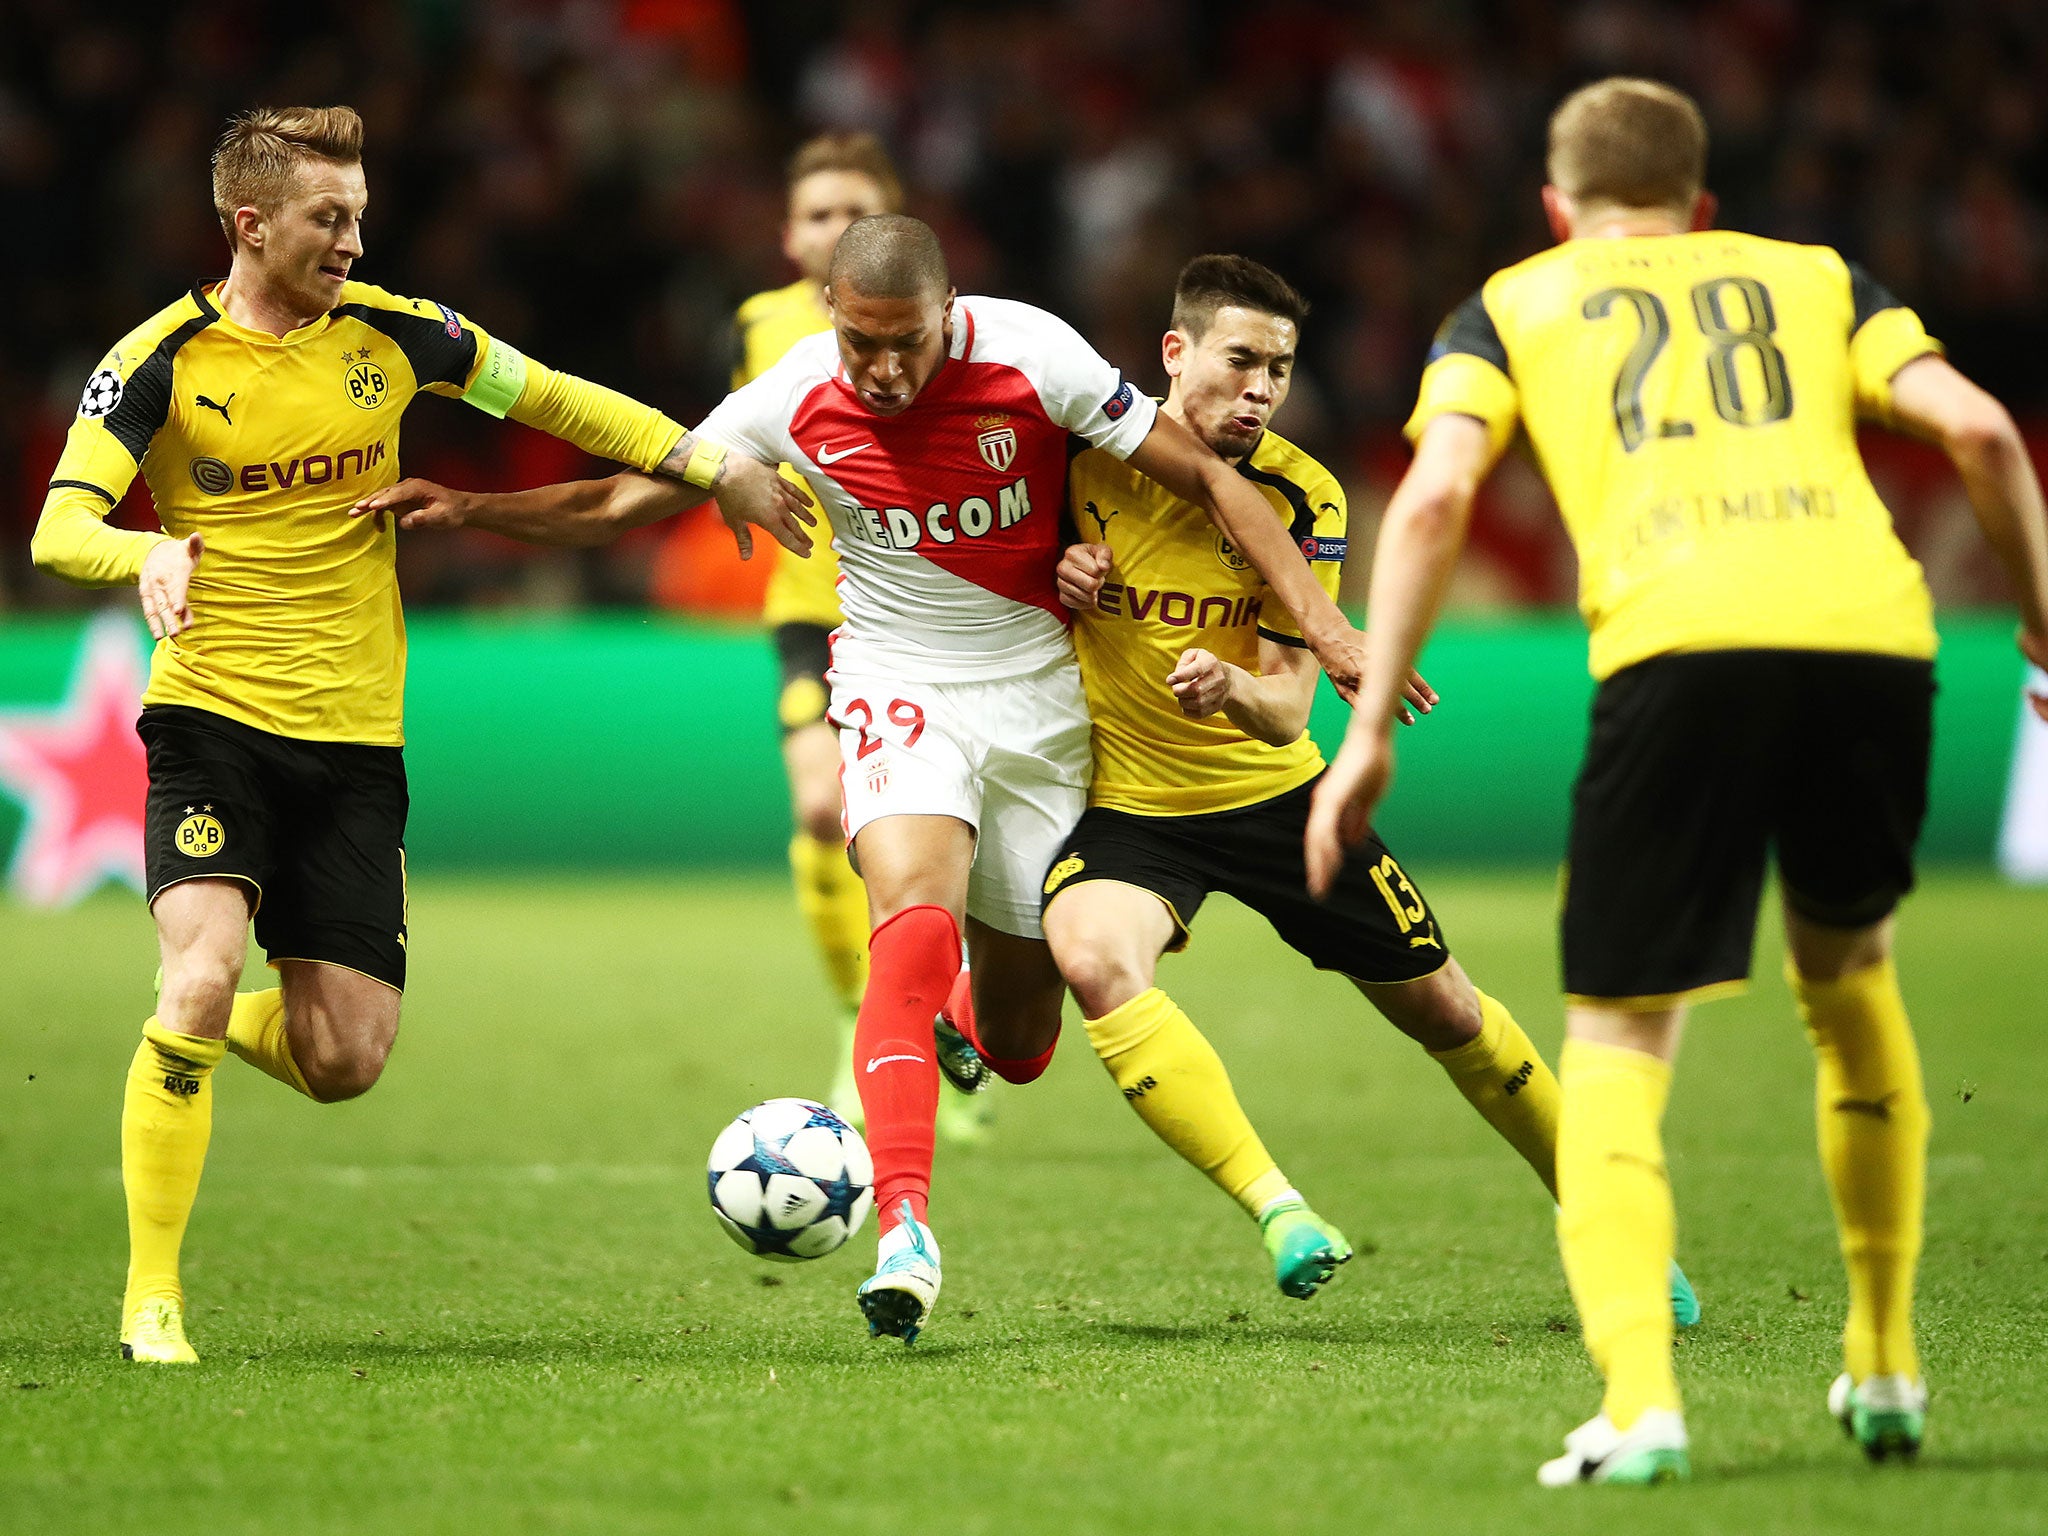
(998,447)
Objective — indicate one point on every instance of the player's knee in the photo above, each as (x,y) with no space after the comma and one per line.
(818,815)
(1103,974)
(199,982)
(337,1071)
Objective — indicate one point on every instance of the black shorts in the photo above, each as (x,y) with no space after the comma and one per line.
(804,652)
(1697,766)
(1375,927)
(315,828)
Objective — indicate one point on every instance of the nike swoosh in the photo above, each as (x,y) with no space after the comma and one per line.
(827,456)
(876,1061)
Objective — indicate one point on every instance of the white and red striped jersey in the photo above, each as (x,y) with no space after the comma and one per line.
(946,516)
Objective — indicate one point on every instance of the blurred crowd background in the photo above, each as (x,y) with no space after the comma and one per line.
(600,182)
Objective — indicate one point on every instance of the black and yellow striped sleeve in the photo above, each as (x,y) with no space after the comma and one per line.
(1318,520)
(1467,374)
(124,405)
(1884,336)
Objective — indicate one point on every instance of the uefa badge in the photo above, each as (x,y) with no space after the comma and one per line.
(998,447)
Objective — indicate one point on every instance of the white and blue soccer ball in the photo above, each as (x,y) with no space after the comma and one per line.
(790,1180)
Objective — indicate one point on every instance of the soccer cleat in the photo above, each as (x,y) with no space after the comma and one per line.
(154,1333)
(904,1288)
(1685,1306)
(1653,1450)
(1886,1415)
(965,1119)
(844,1100)
(958,1059)
(1305,1249)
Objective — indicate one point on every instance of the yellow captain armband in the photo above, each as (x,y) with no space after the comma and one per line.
(500,381)
(706,460)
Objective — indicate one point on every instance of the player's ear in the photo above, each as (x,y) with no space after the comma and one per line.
(1557,212)
(1173,347)
(249,226)
(1704,207)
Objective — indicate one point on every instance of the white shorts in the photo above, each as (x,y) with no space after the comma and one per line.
(1008,757)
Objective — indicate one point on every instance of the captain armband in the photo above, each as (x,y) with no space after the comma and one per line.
(706,460)
(500,381)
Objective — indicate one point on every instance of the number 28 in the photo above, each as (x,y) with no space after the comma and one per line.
(1727,341)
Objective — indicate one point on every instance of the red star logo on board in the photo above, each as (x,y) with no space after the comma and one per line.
(78,770)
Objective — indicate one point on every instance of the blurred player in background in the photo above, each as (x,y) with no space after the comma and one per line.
(832,180)
(256,409)
(1203,772)
(1763,645)
(934,429)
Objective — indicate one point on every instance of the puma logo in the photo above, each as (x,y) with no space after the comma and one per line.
(221,406)
(1101,521)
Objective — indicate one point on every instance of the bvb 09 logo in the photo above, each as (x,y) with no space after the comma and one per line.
(199,837)
(1227,552)
(366,385)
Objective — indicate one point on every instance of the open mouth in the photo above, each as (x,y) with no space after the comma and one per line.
(339,274)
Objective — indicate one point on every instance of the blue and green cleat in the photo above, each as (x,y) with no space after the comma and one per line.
(1886,1415)
(1685,1306)
(1305,1249)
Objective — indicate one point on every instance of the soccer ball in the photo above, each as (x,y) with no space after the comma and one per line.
(790,1180)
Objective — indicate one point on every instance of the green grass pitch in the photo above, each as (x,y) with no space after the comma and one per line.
(489,1297)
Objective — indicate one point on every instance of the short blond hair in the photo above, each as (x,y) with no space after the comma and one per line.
(1633,143)
(861,154)
(258,157)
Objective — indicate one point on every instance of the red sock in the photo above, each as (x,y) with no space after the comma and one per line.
(912,961)
(960,1009)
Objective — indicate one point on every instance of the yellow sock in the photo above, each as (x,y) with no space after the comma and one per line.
(256,1033)
(1175,1080)
(166,1122)
(1616,1226)
(835,904)
(1872,1110)
(1504,1078)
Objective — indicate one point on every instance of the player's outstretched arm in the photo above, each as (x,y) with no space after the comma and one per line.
(574,514)
(1930,399)
(1418,546)
(1182,463)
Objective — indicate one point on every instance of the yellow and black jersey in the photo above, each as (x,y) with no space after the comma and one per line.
(1176,583)
(769,324)
(1692,400)
(261,443)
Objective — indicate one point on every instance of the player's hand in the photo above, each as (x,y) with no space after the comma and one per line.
(1340,651)
(1201,682)
(752,495)
(1083,570)
(416,504)
(1340,814)
(165,580)
(2034,646)
(1419,695)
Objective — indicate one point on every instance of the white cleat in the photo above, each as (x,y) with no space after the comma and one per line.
(900,1295)
(1886,1415)
(1652,1451)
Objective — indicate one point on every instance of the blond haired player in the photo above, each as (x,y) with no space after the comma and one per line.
(832,180)
(257,409)
(1764,647)
(1200,688)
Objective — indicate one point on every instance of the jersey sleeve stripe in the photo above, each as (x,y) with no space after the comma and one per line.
(1304,524)
(146,394)
(1470,329)
(435,356)
(84,485)
(1277,638)
(1868,295)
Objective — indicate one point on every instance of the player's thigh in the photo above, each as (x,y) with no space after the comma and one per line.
(909,860)
(1439,1012)
(1671,820)
(810,746)
(202,931)
(338,895)
(1034,788)
(910,777)
(1106,939)
(210,815)
(1017,992)
(1853,786)
(1374,926)
(341,1024)
(810,756)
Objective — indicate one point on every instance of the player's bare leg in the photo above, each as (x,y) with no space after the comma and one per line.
(167,1108)
(1871,1109)
(916,869)
(824,881)
(340,1024)
(1616,1228)
(1107,936)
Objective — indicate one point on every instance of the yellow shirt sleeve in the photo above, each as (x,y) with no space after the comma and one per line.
(1324,550)
(1882,345)
(600,421)
(1467,375)
(72,539)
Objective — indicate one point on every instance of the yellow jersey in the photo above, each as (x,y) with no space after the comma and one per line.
(261,443)
(1175,584)
(1692,400)
(769,324)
